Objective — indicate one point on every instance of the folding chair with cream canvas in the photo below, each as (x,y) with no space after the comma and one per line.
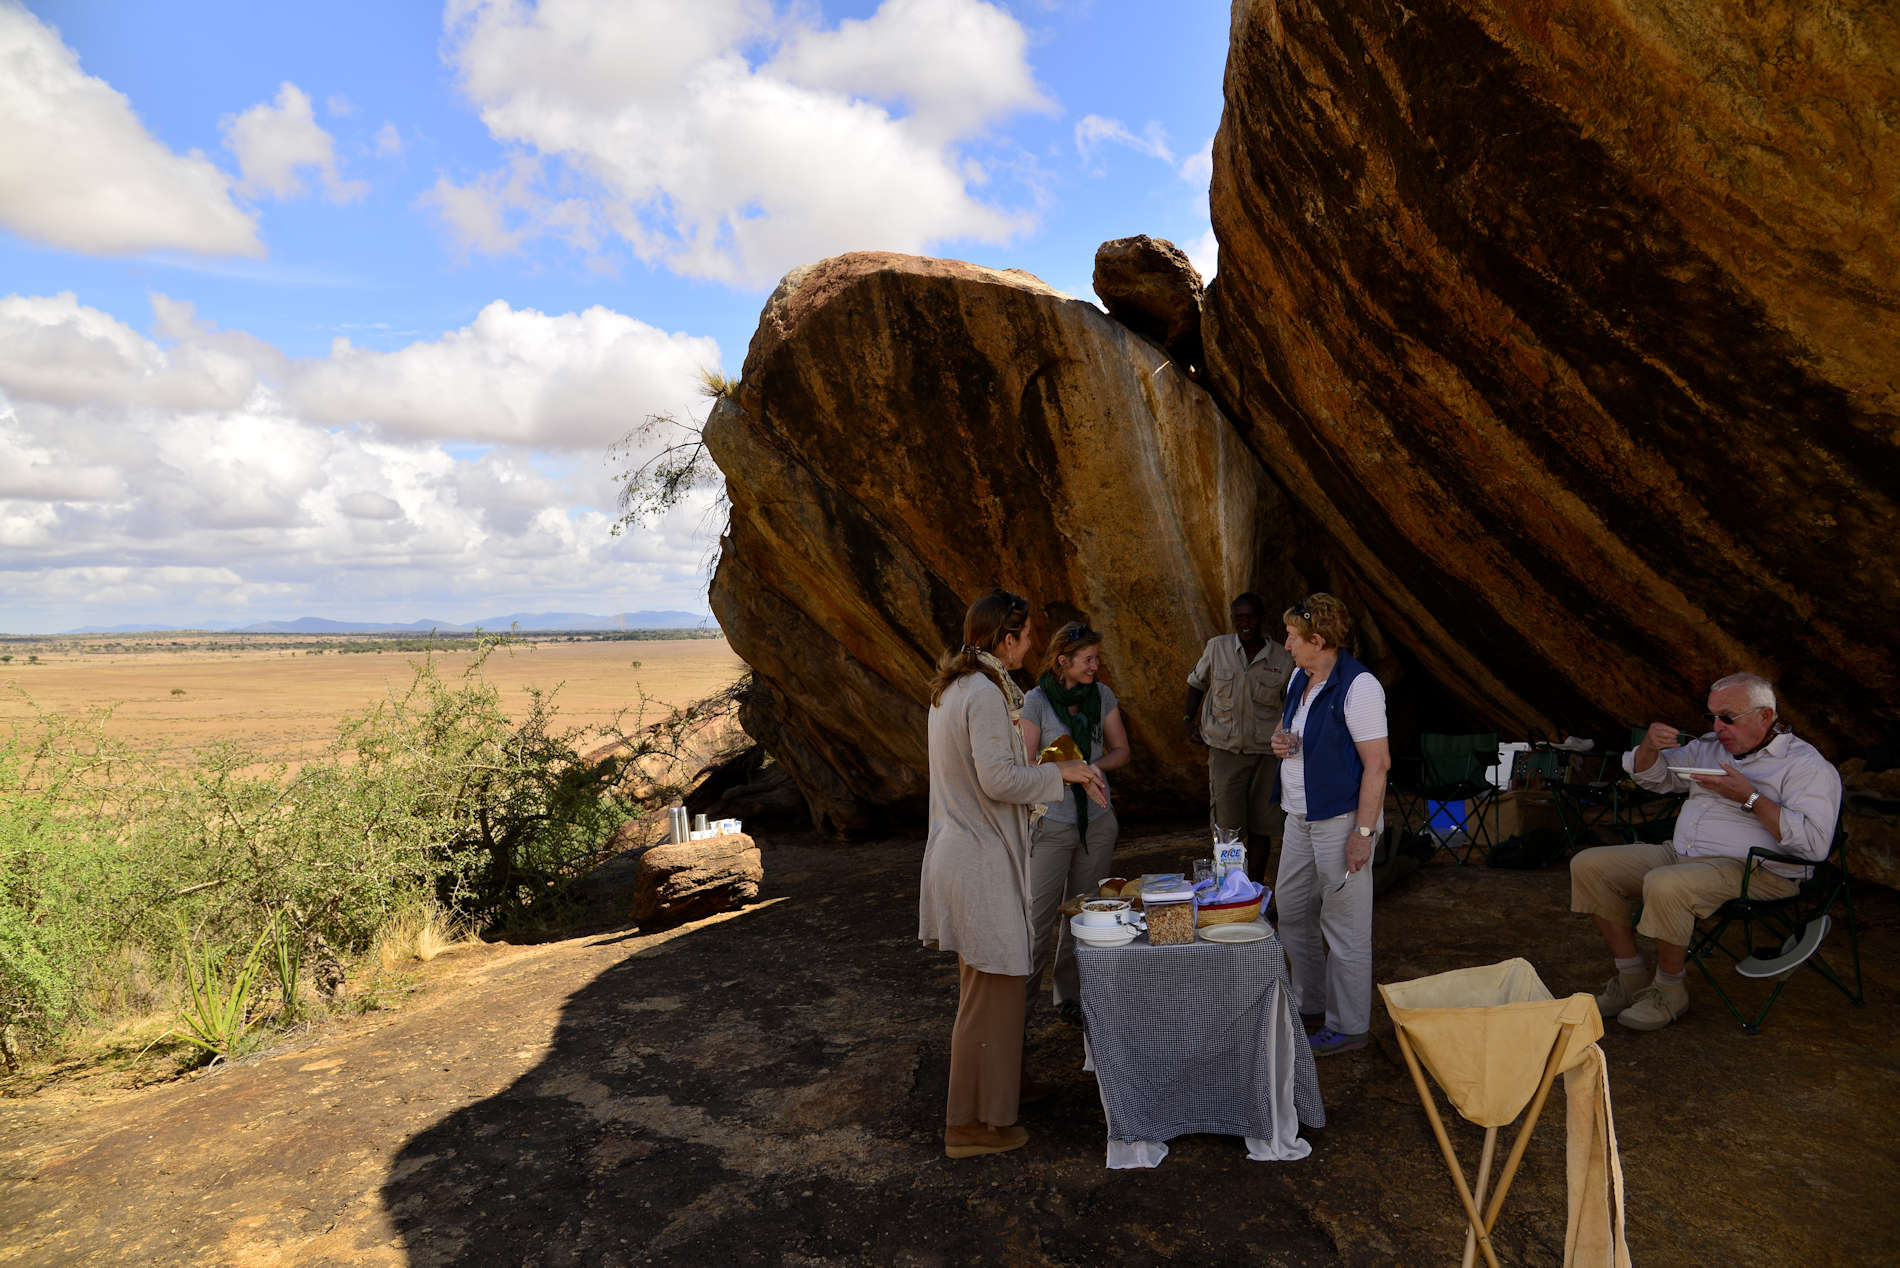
(1495,1039)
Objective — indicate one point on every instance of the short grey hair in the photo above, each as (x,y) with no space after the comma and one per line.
(1760,693)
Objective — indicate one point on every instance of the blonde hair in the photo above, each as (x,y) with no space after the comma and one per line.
(1321,616)
(989,621)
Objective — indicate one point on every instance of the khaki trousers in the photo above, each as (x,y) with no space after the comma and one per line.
(1675,889)
(1061,867)
(986,1049)
(1240,793)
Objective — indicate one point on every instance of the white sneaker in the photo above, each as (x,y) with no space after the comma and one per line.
(1655,1006)
(1620,993)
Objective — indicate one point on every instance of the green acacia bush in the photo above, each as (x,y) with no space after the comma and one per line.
(116,869)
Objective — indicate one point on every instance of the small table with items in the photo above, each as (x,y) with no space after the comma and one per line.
(1200,1037)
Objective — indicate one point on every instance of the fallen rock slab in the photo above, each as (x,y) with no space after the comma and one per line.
(693,879)
(1150,286)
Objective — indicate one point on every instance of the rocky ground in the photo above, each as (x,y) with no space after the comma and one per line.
(765,1087)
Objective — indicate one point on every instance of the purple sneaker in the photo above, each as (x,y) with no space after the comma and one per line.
(1328,1041)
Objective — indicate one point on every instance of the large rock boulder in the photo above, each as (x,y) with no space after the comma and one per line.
(691,879)
(909,433)
(1150,286)
(1576,327)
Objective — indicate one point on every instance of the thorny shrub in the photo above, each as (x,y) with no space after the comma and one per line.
(430,799)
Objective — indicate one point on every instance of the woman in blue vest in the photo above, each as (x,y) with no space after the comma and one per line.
(1333,763)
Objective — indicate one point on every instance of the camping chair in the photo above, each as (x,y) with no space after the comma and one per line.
(1451,768)
(1586,795)
(1796,924)
(1495,1040)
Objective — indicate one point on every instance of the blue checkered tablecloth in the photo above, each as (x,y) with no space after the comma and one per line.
(1193,1038)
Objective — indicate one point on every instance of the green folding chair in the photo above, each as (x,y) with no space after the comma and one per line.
(1451,768)
(1795,927)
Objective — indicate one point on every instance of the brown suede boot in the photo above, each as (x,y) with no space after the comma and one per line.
(980,1138)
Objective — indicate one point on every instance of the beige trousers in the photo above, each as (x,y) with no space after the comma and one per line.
(986,1049)
(1675,889)
(1060,867)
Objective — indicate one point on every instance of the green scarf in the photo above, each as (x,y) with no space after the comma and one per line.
(1083,724)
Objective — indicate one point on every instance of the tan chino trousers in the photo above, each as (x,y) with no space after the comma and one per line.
(1675,888)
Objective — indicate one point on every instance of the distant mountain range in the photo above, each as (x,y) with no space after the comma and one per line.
(527,622)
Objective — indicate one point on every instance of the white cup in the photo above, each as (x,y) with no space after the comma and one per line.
(1105,912)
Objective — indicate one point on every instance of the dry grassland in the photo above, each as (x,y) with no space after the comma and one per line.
(284,705)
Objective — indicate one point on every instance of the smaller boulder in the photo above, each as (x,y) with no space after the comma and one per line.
(693,879)
(1150,286)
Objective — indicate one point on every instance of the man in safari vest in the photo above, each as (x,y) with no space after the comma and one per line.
(1234,700)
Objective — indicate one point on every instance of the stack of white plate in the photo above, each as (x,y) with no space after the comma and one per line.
(1252,931)
(1102,935)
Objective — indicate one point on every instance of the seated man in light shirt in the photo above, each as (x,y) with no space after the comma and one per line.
(1777,792)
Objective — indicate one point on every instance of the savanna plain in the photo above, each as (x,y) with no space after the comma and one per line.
(280,697)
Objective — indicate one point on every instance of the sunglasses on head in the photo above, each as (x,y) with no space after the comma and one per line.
(1302,611)
(1080,634)
(1730,719)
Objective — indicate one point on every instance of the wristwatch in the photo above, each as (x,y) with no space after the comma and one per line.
(1752,799)
(1364,832)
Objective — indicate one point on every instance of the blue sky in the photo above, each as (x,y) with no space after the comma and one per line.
(336,309)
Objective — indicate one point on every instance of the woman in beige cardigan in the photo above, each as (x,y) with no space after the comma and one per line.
(974,896)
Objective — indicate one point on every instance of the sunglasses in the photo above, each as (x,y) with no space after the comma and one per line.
(1730,719)
(1080,634)
(1302,611)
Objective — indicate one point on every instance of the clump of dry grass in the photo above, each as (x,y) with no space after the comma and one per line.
(422,934)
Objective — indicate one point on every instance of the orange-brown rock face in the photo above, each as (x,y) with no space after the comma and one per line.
(1577,326)
(909,433)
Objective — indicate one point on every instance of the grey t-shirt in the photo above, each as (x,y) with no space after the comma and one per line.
(1048,720)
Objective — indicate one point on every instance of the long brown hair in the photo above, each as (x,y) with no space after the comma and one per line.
(990,620)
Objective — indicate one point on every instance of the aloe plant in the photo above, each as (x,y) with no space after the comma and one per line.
(218,1015)
(287,958)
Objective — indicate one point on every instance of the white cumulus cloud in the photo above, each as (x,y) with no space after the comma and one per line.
(78,169)
(186,471)
(57,351)
(731,139)
(275,141)
(572,380)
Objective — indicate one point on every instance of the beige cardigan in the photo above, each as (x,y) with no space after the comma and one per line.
(974,896)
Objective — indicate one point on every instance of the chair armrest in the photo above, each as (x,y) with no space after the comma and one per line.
(1776,856)
(1762,854)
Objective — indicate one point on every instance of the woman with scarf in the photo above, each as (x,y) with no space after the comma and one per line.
(1072,846)
(974,894)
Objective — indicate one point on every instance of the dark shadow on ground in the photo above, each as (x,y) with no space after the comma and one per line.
(768,1090)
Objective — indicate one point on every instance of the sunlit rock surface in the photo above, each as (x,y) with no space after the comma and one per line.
(909,433)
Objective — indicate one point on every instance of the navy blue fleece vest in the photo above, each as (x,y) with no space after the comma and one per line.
(1333,768)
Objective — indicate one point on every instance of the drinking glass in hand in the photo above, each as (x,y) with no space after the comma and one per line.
(1286,743)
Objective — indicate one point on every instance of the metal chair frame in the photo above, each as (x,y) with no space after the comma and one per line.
(1785,919)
